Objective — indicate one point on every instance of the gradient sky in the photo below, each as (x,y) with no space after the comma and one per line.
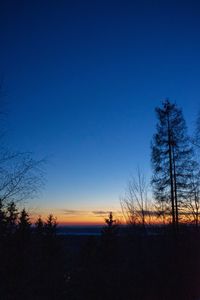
(82,79)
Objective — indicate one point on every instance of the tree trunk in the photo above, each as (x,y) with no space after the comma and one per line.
(171,172)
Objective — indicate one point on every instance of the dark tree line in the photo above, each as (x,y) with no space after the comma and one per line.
(123,265)
(31,256)
(123,262)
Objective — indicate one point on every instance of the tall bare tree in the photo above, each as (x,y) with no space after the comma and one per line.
(191,207)
(136,204)
(21,176)
(172,161)
(196,139)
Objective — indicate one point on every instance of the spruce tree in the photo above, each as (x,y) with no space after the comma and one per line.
(51,226)
(11,217)
(24,225)
(39,227)
(109,238)
(172,161)
(111,228)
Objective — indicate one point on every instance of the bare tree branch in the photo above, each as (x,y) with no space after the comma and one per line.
(135,204)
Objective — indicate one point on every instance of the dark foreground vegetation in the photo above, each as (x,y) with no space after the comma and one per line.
(129,263)
(139,267)
(141,261)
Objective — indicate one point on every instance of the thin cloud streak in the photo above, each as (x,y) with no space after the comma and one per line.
(100,212)
(74,212)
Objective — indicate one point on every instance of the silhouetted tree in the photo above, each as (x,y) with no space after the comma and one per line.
(39,226)
(21,177)
(109,238)
(111,228)
(50,226)
(2,220)
(24,225)
(172,160)
(135,204)
(192,203)
(11,217)
(196,138)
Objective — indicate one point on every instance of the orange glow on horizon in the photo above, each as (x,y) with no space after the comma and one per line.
(85,218)
(72,220)
(80,223)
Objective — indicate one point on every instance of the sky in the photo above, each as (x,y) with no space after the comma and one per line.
(82,80)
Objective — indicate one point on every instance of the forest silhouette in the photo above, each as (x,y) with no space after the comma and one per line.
(156,255)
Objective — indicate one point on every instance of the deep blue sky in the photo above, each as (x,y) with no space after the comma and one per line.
(82,80)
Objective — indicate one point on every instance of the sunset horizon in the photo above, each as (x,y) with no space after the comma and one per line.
(100,150)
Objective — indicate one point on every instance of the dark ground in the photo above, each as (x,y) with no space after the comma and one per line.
(129,266)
